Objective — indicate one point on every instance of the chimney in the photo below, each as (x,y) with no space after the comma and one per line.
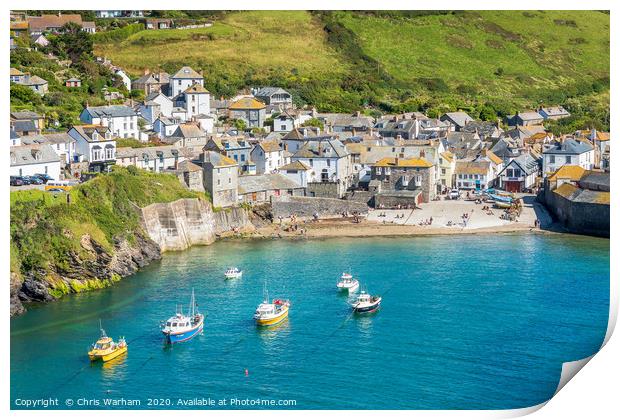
(145,71)
(357,114)
(353,131)
(396,161)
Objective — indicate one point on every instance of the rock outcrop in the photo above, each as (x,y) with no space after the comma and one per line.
(165,227)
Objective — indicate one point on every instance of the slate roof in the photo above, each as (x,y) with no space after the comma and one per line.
(22,126)
(86,131)
(295,166)
(595,180)
(188,166)
(153,152)
(459,118)
(188,130)
(186,73)
(44,22)
(15,72)
(329,148)
(111,111)
(34,81)
(217,160)
(54,138)
(25,155)
(265,182)
(569,146)
(268,91)
(297,134)
(555,111)
(526,162)
(529,116)
(146,79)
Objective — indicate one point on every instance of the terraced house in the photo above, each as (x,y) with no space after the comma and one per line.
(94,144)
(120,119)
(402,181)
(250,110)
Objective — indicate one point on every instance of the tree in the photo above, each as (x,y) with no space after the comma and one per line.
(314,122)
(73,43)
(21,94)
(240,124)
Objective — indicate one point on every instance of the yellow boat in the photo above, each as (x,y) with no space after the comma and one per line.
(106,349)
(271,313)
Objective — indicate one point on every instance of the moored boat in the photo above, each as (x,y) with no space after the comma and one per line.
(182,327)
(347,283)
(233,273)
(105,348)
(365,303)
(271,313)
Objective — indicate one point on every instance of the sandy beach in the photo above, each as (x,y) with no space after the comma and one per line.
(446,220)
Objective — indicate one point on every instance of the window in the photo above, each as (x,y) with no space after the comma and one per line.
(283,127)
(509,173)
(218,182)
(568,159)
(329,162)
(443,171)
(242,158)
(46,169)
(552,159)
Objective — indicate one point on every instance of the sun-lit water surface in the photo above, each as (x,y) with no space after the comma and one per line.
(467,322)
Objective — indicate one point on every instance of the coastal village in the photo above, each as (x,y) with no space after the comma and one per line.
(258,148)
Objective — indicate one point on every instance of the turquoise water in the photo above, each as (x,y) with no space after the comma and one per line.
(467,322)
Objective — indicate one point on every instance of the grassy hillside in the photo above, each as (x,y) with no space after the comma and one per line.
(239,49)
(394,61)
(46,230)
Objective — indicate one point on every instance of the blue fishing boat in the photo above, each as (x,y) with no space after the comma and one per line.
(182,327)
(500,198)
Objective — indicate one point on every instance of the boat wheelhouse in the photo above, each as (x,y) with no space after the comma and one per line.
(365,303)
(233,273)
(183,327)
(347,283)
(105,348)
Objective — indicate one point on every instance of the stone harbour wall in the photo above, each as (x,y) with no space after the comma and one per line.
(178,225)
(306,207)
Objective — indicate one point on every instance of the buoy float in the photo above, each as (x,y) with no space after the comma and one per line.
(246,372)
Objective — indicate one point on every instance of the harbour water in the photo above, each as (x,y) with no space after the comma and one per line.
(467,322)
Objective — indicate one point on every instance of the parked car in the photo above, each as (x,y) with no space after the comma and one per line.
(16,181)
(34,180)
(454,194)
(44,177)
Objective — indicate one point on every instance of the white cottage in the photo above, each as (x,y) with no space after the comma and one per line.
(268,156)
(120,119)
(567,152)
(183,79)
(95,145)
(34,159)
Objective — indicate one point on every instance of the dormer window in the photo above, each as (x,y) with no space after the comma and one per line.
(95,136)
(108,136)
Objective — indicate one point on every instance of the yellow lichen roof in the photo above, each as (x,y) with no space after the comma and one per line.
(447,156)
(412,162)
(566,190)
(602,136)
(572,172)
(196,88)
(247,103)
(474,168)
(15,72)
(494,158)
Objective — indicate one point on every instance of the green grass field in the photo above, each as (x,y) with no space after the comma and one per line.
(243,45)
(534,50)
(343,61)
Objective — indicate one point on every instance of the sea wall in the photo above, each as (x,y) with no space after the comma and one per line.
(178,225)
(578,217)
(306,207)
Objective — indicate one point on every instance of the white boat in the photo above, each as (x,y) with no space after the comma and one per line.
(183,327)
(365,303)
(233,273)
(347,283)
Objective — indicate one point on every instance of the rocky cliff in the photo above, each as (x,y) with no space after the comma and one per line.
(165,227)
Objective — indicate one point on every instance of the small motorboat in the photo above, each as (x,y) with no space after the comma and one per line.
(233,273)
(365,303)
(271,313)
(182,327)
(106,349)
(347,283)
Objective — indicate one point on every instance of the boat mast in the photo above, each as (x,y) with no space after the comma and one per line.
(193,304)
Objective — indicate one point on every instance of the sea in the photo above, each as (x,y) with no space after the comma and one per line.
(466,322)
